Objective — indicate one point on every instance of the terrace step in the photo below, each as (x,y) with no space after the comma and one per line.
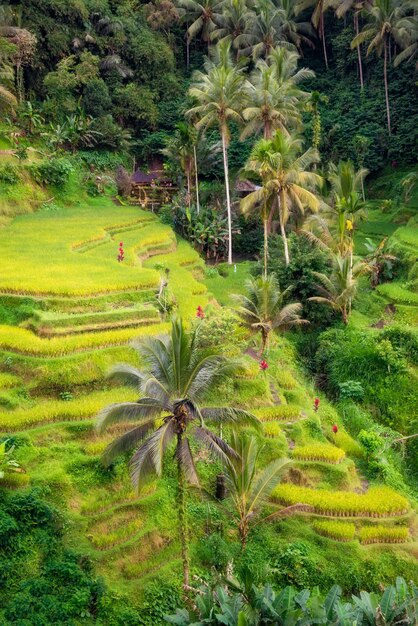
(47,324)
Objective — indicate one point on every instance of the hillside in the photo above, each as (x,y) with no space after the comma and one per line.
(82,308)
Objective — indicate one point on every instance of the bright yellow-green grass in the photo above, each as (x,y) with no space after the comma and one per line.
(46,253)
(319,452)
(24,341)
(341,531)
(384,534)
(377,502)
(62,410)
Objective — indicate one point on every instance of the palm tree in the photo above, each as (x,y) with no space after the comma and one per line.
(317,19)
(411,50)
(234,24)
(221,93)
(265,31)
(377,259)
(386,21)
(250,489)
(275,98)
(261,310)
(181,149)
(342,7)
(339,289)
(175,377)
(296,33)
(287,182)
(203,15)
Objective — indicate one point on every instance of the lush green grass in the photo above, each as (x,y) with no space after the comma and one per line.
(223,287)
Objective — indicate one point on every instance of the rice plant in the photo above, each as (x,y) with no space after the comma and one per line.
(282,412)
(377,502)
(319,452)
(341,531)
(383,534)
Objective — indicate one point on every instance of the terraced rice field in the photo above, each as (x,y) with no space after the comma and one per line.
(52,384)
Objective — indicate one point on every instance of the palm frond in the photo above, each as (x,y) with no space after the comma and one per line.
(229,415)
(148,459)
(143,409)
(219,448)
(185,458)
(126,442)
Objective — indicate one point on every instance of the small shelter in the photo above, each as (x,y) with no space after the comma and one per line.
(152,189)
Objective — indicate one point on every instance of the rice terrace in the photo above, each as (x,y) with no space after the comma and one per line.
(208,313)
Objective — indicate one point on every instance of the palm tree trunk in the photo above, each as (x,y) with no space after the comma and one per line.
(196,180)
(322,34)
(385,72)
(183,531)
(360,64)
(189,185)
(266,244)
(283,233)
(228,200)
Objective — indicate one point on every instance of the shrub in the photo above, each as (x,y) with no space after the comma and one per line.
(271,429)
(9,174)
(285,379)
(384,534)
(351,390)
(341,531)
(54,172)
(348,444)
(319,452)
(377,502)
(370,441)
(123,182)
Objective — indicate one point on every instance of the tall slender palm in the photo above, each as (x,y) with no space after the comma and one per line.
(202,15)
(339,289)
(387,21)
(410,52)
(296,33)
(317,19)
(333,229)
(265,31)
(174,378)
(221,92)
(234,24)
(181,149)
(249,489)
(342,7)
(276,99)
(288,185)
(261,309)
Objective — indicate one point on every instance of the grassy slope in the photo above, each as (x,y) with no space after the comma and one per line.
(131,538)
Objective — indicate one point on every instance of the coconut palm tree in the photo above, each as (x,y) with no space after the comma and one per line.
(387,21)
(202,15)
(248,488)
(175,377)
(234,24)
(342,7)
(339,289)
(261,309)
(265,32)
(287,183)
(275,96)
(181,149)
(221,92)
(317,19)
(296,33)
(377,260)
(410,52)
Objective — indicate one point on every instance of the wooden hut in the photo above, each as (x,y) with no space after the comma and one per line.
(152,189)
